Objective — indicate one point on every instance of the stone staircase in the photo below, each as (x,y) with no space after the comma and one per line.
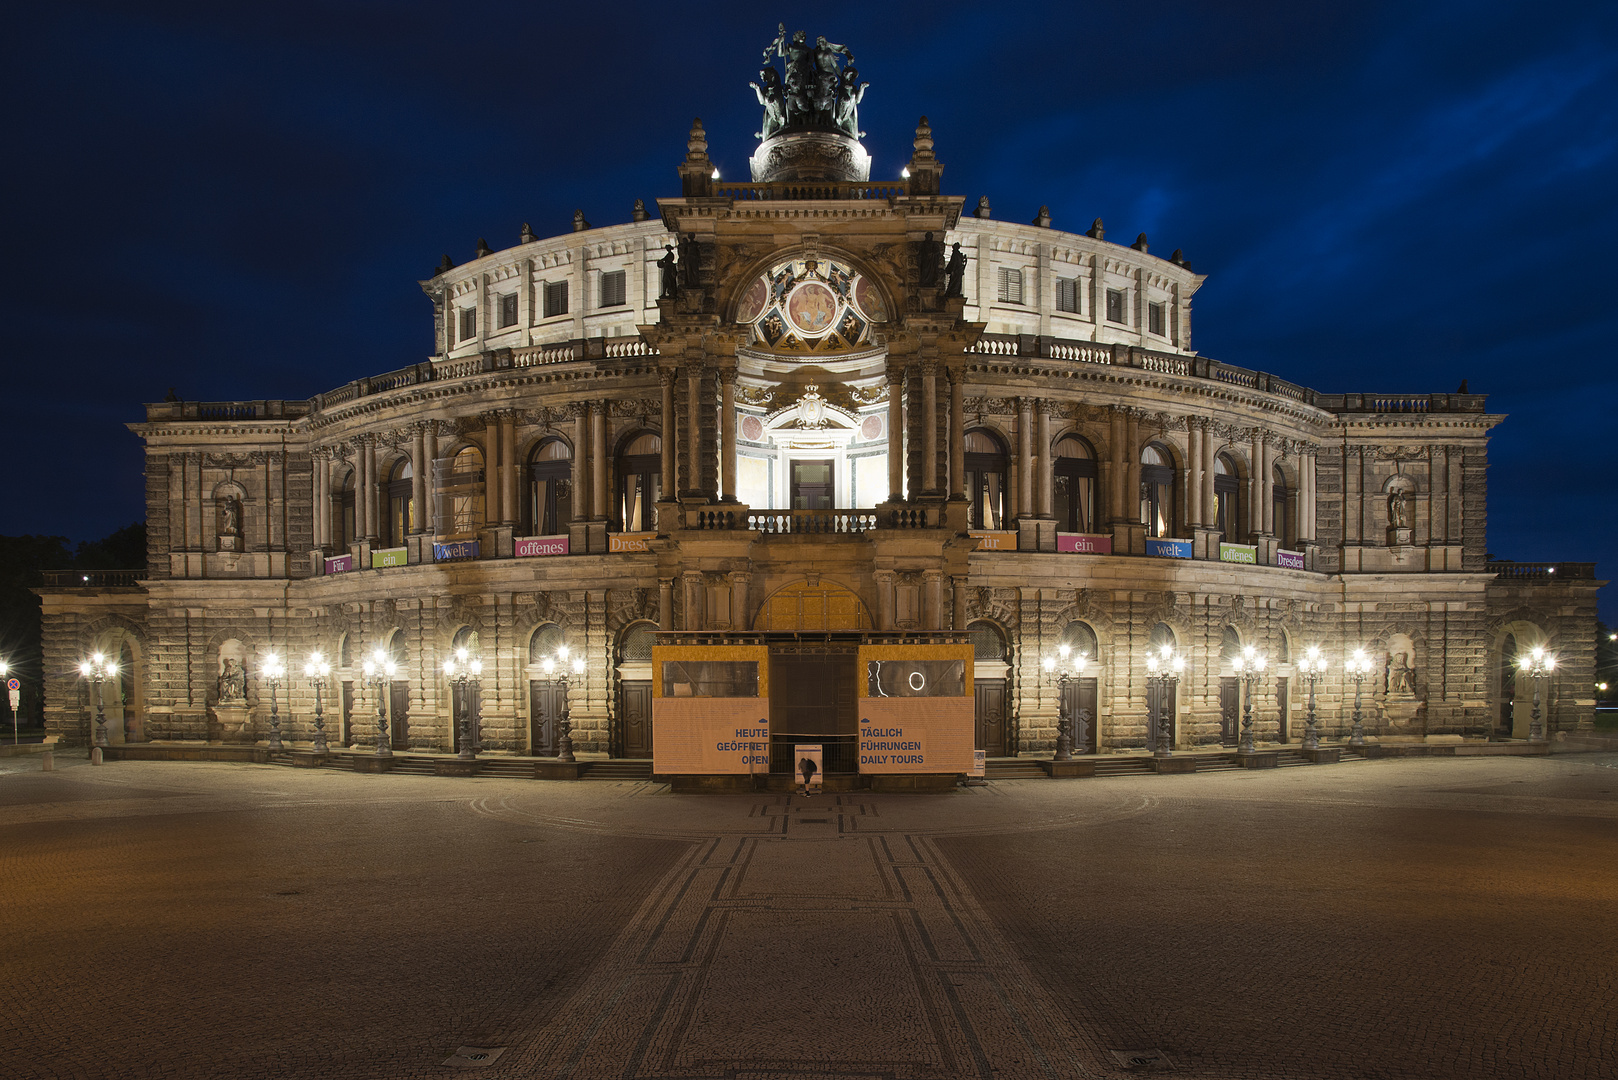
(1012,769)
(619,769)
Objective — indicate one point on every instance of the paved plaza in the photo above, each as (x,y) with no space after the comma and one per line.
(1388,919)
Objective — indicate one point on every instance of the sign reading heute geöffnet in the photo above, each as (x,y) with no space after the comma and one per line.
(708,736)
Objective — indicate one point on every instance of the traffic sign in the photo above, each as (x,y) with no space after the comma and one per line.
(13,685)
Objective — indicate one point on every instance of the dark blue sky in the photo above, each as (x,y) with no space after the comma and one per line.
(236,200)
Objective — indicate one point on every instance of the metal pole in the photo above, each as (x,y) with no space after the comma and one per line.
(1246,744)
(1311,736)
(1358,736)
(1064,739)
(462,687)
(565,743)
(101,715)
(382,747)
(1164,682)
(275,717)
(320,721)
(1536,731)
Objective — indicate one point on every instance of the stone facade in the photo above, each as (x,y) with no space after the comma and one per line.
(624,389)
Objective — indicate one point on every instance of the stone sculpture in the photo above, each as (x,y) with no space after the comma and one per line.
(230,518)
(816,92)
(929,261)
(232,681)
(956,271)
(669,276)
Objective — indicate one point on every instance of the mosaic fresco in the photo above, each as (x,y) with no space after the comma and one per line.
(812,305)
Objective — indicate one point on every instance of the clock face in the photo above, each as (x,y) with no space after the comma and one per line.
(812,305)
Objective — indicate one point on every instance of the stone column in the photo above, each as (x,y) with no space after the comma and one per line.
(1043,466)
(508,469)
(429,443)
(1025,453)
(693,479)
(665,603)
(1194,467)
(740,580)
(694,589)
(884,599)
(1120,467)
(957,432)
(1266,482)
(932,599)
(727,434)
(1306,495)
(1255,488)
(1132,485)
(1207,436)
(665,377)
(598,460)
(372,489)
(958,606)
(419,464)
(581,458)
(929,426)
(317,499)
(896,432)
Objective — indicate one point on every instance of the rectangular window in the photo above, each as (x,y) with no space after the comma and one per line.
(1154,318)
(508,310)
(1067,294)
(1115,305)
(1010,285)
(555,298)
(613,288)
(469,323)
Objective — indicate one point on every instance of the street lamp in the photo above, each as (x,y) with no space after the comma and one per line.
(15,700)
(557,668)
(463,674)
(1249,666)
(1072,666)
(316,670)
(1166,679)
(98,669)
(1357,668)
(1312,667)
(1539,664)
(379,671)
(271,672)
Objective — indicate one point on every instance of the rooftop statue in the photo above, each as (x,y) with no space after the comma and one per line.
(815,93)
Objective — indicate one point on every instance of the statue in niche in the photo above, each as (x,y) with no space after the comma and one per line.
(232,680)
(1401,676)
(669,275)
(690,253)
(929,261)
(1401,509)
(230,517)
(956,270)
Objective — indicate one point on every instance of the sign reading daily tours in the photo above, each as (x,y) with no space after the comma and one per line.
(390,557)
(1244,553)
(1159,548)
(629,541)
(998,540)
(1084,543)
(916,712)
(539,545)
(455,549)
(710,709)
(340,564)
(1292,560)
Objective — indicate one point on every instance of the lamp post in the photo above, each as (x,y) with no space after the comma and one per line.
(1249,666)
(557,668)
(379,671)
(1539,664)
(1171,665)
(316,671)
(464,673)
(271,672)
(4,668)
(1064,723)
(1312,667)
(98,669)
(1357,667)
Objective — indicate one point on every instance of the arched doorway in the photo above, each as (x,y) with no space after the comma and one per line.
(1506,687)
(633,738)
(809,607)
(1230,688)
(992,717)
(465,638)
(1159,710)
(398,694)
(545,697)
(1082,697)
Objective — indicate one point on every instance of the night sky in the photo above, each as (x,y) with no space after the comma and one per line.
(237,200)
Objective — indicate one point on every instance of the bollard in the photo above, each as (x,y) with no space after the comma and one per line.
(95,755)
(48,761)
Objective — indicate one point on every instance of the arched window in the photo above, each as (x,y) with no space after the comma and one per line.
(1227,499)
(640,482)
(543,645)
(1081,641)
(550,488)
(1074,487)
(1230,646)
(401,513)
(1162,634)
(1157,490)
(987,641)
(343,512)
(985,480)
(460,494)
(1282,503)
(636,644)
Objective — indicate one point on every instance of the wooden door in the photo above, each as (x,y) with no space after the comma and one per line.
(1281,687)
(813,486)
(635,718)
(1155,711)
(1081,706)
(544,716)
(474,736)
(1230,710)
(990,714)
(399,715)
(345,721)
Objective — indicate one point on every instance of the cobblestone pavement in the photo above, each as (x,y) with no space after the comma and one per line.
(1396,919)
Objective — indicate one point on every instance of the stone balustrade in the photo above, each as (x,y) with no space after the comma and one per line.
(1543,573)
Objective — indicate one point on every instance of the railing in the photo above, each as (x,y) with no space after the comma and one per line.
(1401,403)
(543,354)
(817,189)
(1542,572)
(227,410)
(812,521)
(1165,365)
(634,346)
(92,579)
(1081,353)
